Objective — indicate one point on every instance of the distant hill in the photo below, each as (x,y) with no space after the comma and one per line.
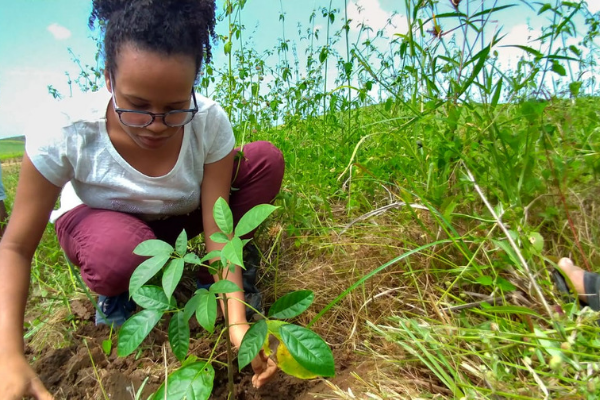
(12,148)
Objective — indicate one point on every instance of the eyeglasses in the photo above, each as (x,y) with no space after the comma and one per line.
(141,119)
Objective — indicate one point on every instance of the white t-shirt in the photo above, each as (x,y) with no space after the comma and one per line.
(73,148)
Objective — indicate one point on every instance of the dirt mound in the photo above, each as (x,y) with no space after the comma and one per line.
(83,371)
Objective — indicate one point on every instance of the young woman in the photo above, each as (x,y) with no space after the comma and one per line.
(143,160)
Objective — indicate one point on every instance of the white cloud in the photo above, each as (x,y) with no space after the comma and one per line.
(22,91)
(593,5)
(519,35)
(370,13)
(58,31)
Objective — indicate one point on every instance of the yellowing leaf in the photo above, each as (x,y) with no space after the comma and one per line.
(286,362)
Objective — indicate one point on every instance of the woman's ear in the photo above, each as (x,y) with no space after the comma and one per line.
(107,80)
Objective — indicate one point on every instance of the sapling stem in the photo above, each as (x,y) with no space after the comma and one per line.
(225,299)
(230,387)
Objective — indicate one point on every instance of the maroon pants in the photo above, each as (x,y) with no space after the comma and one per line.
(101,242)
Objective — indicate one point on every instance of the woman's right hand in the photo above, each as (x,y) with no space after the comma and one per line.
(18,380)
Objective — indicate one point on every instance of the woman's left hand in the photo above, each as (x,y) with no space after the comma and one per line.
(264,367)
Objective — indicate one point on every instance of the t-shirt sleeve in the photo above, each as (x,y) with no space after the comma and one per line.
(2,192)
(220,139)
(47,145)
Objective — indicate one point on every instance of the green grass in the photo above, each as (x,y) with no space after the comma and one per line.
(384,209)
(11,149)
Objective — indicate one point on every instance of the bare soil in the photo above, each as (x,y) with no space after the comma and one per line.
(82,370)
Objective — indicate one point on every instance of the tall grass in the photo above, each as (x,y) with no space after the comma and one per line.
(390,165)
(447,119)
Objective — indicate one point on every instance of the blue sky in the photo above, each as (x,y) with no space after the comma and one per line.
(35,36)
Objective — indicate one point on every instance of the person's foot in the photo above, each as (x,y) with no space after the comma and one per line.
(116,309)
(575,275)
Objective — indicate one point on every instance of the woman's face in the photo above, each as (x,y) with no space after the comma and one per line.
(148,81)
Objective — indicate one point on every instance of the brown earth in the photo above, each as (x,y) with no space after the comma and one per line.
(83,371)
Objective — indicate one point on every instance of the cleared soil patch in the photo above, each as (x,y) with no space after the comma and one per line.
(83,371)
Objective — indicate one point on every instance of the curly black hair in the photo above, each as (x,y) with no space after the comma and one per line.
(164,26)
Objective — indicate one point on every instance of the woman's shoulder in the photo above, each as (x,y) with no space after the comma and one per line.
(208,106)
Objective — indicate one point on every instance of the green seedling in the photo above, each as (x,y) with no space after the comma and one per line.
(300,352)
(107,343)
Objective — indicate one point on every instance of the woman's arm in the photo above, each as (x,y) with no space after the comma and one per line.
(33,203)
(217,183)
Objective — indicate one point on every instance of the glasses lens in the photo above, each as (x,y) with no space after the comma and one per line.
(178,118)
(135,119)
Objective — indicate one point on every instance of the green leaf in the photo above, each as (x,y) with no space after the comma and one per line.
(223,216)
(191,258)
(206,312)
(172,275)
(482,59)
(575,88)
(274,325)
(107,346)
(497,93)
(145,271)
(224,286)
(308,349)
(505,285)
(292,304)
(544,8)
(192,382)
(179,335)
(153,247)
(253,218)
(192,305)
(485,280)
(552,347)
(152,298)
(232,252)
(537,241)
(287,363)
(135,329)
(227,47)
(323,54)
(251,343)
(527,49)
(558,68)
(505,245)
(181,243)
(512,310)
(211,255)
(219,237)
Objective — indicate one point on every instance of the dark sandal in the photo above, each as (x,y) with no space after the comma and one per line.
(562,286)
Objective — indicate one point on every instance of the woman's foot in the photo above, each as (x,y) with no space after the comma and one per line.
(586,284)
(575,275)
(115,309)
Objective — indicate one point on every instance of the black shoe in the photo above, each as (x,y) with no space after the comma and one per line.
(251,293)
(116,309)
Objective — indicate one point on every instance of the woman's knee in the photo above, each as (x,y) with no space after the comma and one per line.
(262,166)
(101,243)
(268,155)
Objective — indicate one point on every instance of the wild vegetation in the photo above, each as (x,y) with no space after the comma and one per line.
(429,191)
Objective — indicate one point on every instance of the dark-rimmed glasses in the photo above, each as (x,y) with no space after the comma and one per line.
(141,119)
